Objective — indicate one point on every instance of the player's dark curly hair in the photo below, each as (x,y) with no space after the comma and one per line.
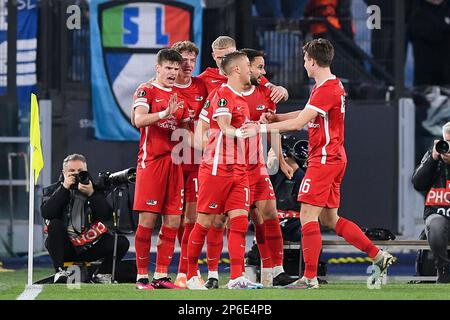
(320,50)
(252,54)
(168,55)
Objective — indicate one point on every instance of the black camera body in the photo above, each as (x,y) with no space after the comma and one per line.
(442,147)
(108,180)
(82,177)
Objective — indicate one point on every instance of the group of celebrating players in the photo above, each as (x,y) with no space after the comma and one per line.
(224,116)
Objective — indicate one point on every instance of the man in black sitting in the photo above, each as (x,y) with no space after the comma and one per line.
(76,216)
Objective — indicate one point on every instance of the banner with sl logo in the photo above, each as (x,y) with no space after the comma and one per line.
(125,38)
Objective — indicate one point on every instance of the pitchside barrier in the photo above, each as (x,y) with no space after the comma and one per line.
(389,245)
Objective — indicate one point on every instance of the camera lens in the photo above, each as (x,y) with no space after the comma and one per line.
(83,177)
(442,147)
(301,150)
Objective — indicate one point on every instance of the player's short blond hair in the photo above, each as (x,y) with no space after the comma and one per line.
(182,46)
(223,42)
(229,60)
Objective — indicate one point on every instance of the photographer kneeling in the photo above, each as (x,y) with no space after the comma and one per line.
(432,177)
(76,215)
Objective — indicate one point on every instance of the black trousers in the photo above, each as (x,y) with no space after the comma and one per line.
(60,248)
(437,230)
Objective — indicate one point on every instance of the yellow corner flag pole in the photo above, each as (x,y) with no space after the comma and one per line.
(36,165)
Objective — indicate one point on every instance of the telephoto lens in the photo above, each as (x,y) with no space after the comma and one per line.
(442,147)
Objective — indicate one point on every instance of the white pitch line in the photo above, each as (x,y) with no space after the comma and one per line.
(30,292)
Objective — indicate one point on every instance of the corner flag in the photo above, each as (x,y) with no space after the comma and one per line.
(35,139)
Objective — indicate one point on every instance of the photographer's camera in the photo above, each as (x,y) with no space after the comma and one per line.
(115,179)
(442,147)
(82,177)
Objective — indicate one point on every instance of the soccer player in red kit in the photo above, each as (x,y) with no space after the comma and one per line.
(213,79)
(264,216)
(222,176)
(157,112)
(319,193)
(192,90)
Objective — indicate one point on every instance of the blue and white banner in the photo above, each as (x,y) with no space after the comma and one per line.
(125,38)
(27,25)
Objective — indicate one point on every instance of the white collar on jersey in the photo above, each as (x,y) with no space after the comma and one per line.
(161,87)
(323,82)
(249,92)
(184,86)
(234,91)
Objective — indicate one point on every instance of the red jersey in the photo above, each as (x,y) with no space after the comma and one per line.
(326,132)
(194,93)
(213,79)
(259,102)
(155,139)
(225,156)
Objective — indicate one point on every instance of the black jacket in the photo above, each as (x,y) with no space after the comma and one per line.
(56,204)
(433,178)
(286,191)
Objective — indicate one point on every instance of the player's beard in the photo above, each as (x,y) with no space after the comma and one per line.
(254,81)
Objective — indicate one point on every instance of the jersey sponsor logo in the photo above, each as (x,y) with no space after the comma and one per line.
(159,100)
(438,197)
(198,98)
(313,125)
(222,102)
(213,206)
(152,202)
(169,124)
(214,81)
(238,108)
(142,93)
(261,107)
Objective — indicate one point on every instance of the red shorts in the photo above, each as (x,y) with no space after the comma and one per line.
(260,185)
(159,187)
(219,194)
(321,185)
(190,186)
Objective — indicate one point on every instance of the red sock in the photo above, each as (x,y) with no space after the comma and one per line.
(183,265)
(164,253)
(195,245)
(180,234)
(142,243)
(311,246)
(263,247)
(236,245)
(274,240)
(214,246)
(354,235)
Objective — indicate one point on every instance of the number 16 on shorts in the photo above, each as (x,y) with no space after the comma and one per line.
(305,186)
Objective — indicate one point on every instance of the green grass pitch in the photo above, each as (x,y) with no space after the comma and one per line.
(12,285)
